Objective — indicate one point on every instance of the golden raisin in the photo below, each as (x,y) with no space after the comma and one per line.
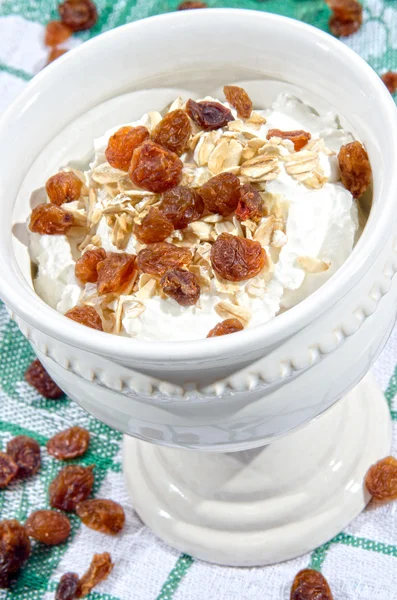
(381,479)
(85,315)
(48,527)
(37,376)
(25,451)
(122,144)
(298,137)
(173,131)
(54,54)
(355,169)
(116,272)
(155,168)
(235,258)
(390,81)
(70,443)
(105,516)
(56,33)
(221,193)
(189,4)
(239,99)
(8,469)
(86,266)
(346,18)
(250,204)
(79,15)
(225,327)
(310,585)
(14,549)
(156,259)
(67,587)
(72,485)
(182,205)
(99,570)
(181,285)
(155,227)
(208,115)
(50,219)
(63,187)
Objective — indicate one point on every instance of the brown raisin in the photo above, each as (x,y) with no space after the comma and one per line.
(173,131)
(190,4)
(70,443)
(14,549)
(48,527)
(310,585)
(99,570)
(67,587)
(155,168)
(208,115)
(105,516)
(181,285)
(50,219)
(381,479)
(221,193)
(239,99)
(156,259)
(182,205)
(63,187)
(86,266)
(56,33)
(355,169)
(54,54)
(85,315)
(225,327)
(37,376)
(78,14)
(250,204)
(72,485)
(235,258)
(8,469)
(122,144)
(155,227)
(299,137)
(25,451)
(346,18)
(116,272)
(390,81)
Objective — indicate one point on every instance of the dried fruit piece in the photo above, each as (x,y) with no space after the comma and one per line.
(79,15)
(54,54)
(67,587)
(221,193)
(182,205)
(50,219)
(250,204)
(37,376)
(105,516)
(25,451)
(381,479)
(14,549)
(122,144)
(235,258)
(48,527)
(56,33)
(189,4)
(346,18)
(173,132)
(225,327)
(310,585)
(181,285)
(155,168)
(70,443)
(116,272)
(355,169)
(63,187)
(208,115)
(99,570)
(86,266)
(8,469)
(85,315)
(155,227)
(390,81)
(299,137)
(239,99)
(156,259)
(72,485)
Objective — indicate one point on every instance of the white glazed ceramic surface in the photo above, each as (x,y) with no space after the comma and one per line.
(270,379)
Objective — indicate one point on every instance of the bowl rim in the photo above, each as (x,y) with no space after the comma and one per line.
(33,310)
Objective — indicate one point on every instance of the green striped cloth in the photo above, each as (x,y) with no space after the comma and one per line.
(360,563)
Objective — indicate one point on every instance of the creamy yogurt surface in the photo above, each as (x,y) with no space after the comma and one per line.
(308,229)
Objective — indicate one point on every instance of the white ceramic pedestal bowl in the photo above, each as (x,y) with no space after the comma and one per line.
(231,393)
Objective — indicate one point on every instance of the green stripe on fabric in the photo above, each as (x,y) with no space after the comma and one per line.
(175,576)
(391,389)
(16,72)
(366,544)
(318,556)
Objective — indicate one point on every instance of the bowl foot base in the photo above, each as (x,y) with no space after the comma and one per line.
(266,505)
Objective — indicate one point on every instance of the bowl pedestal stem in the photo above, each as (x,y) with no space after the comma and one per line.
(266,505)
